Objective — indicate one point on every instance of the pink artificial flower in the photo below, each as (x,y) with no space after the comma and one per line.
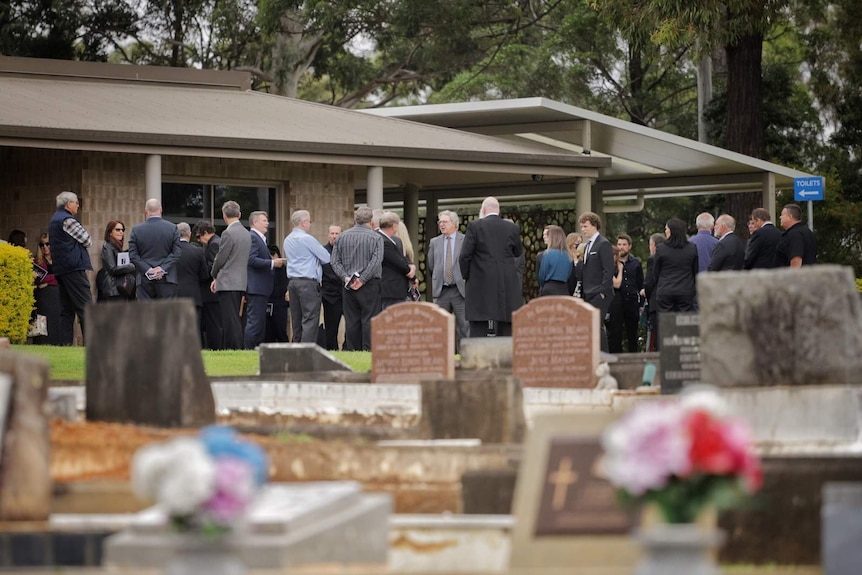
(234,490)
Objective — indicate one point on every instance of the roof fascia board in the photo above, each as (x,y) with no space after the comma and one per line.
(296,157)
(680,181)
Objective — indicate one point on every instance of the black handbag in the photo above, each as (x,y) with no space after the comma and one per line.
(126,285)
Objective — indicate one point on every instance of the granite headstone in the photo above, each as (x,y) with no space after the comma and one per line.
(412,341)
(680,350)
(556,343)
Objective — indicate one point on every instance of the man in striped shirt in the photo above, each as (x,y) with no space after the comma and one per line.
(356,258)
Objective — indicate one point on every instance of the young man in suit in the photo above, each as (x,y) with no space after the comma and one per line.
(598,270)
(764,238)
(487,261)
(396,269)
(447,284)
(230,274)
(260,279)
(154,248)
(729,253)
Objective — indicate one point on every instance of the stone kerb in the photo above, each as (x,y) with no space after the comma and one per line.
(780,327)
(412,341)
(556,343)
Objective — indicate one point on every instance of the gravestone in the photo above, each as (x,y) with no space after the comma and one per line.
(566,514)
(780,327)
(289,524)
(144,365)
(412,341)
(280,358)
(680,350)
(25,479)
(556,343)
(841,529)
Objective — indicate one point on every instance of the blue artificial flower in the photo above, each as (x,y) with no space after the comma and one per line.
(223,441)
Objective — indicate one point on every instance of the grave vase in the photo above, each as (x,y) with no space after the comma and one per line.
(195,554)
(679,548)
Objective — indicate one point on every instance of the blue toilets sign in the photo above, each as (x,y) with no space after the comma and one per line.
(808,189)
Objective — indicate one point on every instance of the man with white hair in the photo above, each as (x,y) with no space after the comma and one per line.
(154,248)
(487,258)
(704,240)
(69,243)
(729,252)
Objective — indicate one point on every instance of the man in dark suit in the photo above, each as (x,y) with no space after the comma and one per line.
(211,319)
(487,258)
(230,274)
(397,269)
(597,285)
(760,250)
(260,279)
(447,285)
(154,248)
(191,270)
(330,293)
(729,252)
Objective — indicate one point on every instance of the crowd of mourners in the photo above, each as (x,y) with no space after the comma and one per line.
(247,291)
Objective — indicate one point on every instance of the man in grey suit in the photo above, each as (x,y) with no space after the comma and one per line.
(154,248)
(447,284)
(230,274)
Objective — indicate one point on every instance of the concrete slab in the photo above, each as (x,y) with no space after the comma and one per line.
(297,358)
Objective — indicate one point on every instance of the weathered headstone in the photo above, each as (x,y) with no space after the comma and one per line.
(566,514)
(144,365)
(412,341)
(25,478)
(556,343)
(780,327)
(280,358)
(680,350)
(841,529)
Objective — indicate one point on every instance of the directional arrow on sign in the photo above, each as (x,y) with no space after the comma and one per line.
(805,193)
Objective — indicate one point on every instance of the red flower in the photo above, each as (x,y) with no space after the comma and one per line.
(715,447)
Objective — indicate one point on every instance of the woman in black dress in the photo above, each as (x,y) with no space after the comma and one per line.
(675,270)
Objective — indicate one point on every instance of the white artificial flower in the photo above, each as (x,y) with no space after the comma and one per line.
(179,474)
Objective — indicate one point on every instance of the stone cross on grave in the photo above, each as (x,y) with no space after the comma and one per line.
(561,479)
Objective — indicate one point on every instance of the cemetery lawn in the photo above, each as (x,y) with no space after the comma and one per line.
(67,363)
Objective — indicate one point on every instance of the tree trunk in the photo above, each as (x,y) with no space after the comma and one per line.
(744,117)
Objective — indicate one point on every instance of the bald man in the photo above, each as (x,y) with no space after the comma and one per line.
(154,249)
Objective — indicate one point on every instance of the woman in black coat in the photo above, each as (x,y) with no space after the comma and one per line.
(675,270)
(112,278)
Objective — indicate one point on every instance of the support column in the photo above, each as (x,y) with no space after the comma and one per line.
(153,177)
(411,214)
(768,191)
(583,195)
(374,187)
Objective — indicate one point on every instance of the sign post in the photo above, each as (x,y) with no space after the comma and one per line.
(808,190)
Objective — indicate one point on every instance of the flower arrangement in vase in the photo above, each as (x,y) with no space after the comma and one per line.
(205,483)
(682,455)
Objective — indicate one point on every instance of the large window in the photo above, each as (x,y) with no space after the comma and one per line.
(192,202)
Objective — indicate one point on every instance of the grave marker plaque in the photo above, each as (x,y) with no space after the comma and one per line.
(412,341)
(680,350)
(555,342)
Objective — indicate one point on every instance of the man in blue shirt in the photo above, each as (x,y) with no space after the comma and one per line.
(305,260)
(704,240)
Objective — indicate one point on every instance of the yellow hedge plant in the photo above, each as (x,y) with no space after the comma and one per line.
(16,292)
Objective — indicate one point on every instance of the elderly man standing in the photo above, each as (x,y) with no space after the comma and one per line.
(230,274)
(491,247)
(447,284)
(357,259)
(764,238)
(260,279)
(704,240)
(397,269)
(69,243)
(154,248)
(729,252)
(305,260)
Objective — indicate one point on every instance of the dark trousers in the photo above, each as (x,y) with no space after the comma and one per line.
(155,290)
(490,327)
(631,322)
(332,312)
(255,319)
(452,301)
(232,334)
(304,309)
(276,324)
(211,321)
(614,324)
(359,307)
(603,305)
(74,296)
(676,303)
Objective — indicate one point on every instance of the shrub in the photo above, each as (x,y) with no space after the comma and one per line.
(16,292)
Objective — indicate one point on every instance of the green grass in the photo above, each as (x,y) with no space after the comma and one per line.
(67,363)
